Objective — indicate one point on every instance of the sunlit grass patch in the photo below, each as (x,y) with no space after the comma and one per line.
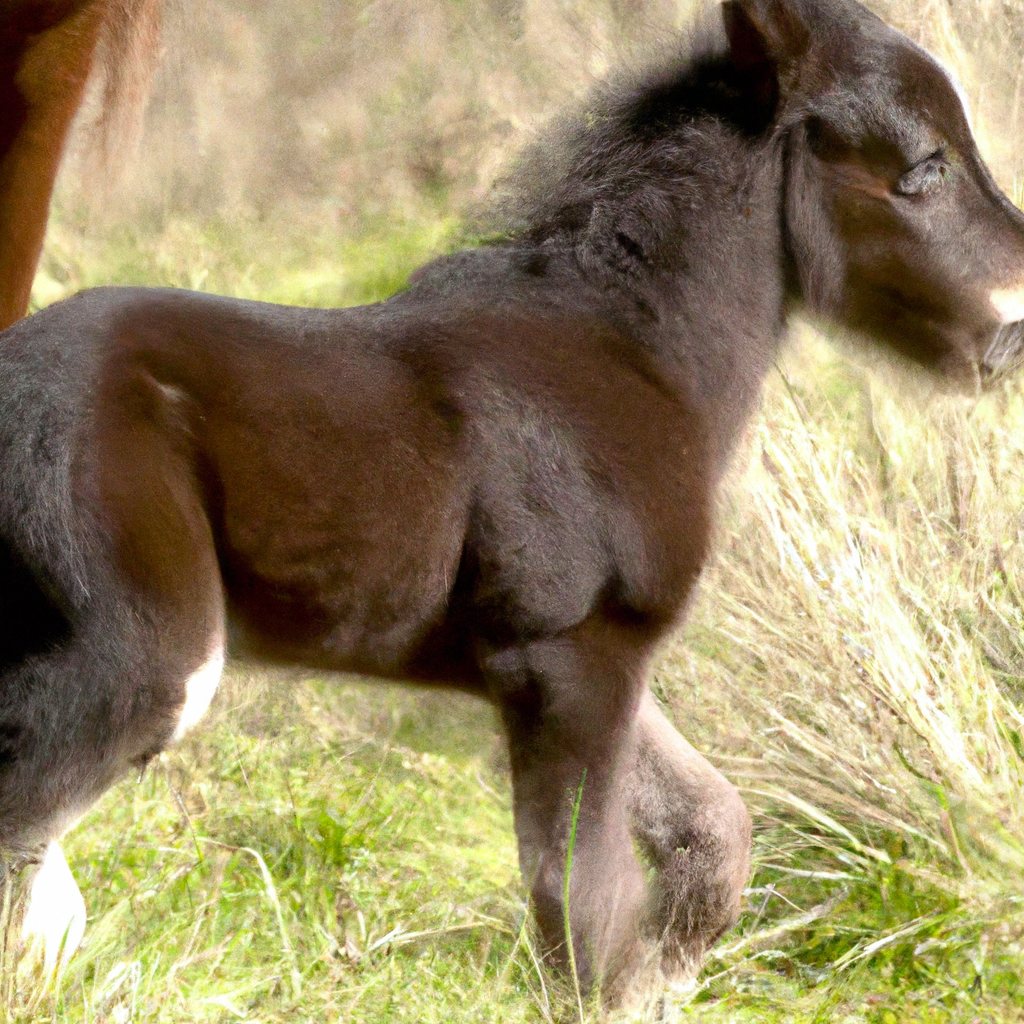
(318,851)
(308,262)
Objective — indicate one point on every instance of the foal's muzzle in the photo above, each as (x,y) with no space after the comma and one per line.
(1004,354)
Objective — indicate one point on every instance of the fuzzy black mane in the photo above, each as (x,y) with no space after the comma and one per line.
(635,143)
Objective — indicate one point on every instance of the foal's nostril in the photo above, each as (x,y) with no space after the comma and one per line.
(1005,352)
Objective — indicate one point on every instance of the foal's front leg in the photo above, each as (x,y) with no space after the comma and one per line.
(691,823)
(568,705)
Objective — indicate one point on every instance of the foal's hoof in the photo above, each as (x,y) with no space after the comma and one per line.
(54,921)
(656,978)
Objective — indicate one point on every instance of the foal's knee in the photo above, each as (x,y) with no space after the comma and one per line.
(696,833)
(699,887)
(607,894)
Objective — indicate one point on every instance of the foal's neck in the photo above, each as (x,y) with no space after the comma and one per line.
(718,288)
(671,201)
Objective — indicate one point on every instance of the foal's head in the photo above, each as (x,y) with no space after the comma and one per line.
(895,227)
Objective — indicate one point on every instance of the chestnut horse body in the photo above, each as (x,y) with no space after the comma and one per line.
(48,49)
(500,479)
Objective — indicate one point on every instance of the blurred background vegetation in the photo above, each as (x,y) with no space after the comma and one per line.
(322,851)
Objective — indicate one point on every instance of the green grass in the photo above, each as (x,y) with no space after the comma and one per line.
(319,851)
(309,263)
(324,850)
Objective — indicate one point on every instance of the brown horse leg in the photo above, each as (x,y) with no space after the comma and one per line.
(144,656)
(42,79)
(694,828)
(568,704)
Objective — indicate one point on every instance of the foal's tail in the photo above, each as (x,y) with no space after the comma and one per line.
(33,619)
(47,375)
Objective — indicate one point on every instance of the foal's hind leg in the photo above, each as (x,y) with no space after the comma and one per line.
(55,914)
(139,664)
(568,705)
(694,828)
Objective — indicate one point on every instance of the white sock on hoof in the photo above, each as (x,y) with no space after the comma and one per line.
(56,911)
(199,690)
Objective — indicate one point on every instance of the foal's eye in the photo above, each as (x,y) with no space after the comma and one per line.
(925,177)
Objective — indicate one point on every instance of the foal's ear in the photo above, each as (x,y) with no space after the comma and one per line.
(765,38)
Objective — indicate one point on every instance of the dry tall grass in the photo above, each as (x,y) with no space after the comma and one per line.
(344,108)
(856,661)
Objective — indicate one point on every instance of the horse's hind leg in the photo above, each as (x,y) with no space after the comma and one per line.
(41,86)
(140,659)
(151,684)
(568,704)
(55,914)
(694,828)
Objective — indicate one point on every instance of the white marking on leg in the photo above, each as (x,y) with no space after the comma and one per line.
(199,690)
(56,910)
(1008,303)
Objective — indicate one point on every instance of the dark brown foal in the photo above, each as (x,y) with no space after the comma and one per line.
(502,478)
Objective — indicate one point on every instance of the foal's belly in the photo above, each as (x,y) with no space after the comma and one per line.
(372,611)
(339,546)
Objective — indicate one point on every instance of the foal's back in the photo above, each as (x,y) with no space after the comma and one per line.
(381,487)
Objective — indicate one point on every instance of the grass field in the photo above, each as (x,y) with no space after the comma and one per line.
(325,849)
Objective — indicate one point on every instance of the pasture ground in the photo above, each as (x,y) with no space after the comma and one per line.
(332,850)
